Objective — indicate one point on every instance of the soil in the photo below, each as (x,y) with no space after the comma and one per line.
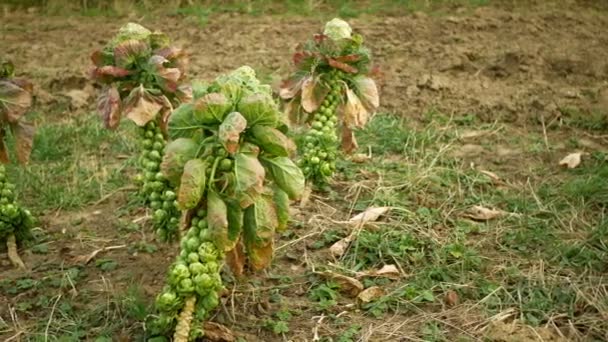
(517,65)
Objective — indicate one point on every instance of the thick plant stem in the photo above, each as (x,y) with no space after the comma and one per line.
(184,321)
(13,256)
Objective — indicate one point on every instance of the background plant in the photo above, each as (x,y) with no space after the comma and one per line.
(142,76)
(332,78)
(230,161)
(15,101)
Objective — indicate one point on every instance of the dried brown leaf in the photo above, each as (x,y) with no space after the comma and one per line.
(369,215)
(24,138)
(218,333)
(236,258)
(370,294)
(354,112)
(387,271)
(339,247)
(480,213)
(349,143)
(451,298)
(350,286)
(572,160)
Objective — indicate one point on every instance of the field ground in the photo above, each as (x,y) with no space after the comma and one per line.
(480,102)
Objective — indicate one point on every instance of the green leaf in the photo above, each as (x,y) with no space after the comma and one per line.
(177,153)
(211,108)
(272,141)
(217,220)
(230,131)
(286,175)
(259,109)
(127,53)
(249,177)
(281,199)
(259,224)
(235,221)
(182,123)
(192,184)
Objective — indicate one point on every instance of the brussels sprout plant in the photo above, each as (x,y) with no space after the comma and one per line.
(229,159)
(332,77)
(142,78)
(15,100)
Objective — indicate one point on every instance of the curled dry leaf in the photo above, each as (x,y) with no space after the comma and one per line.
(572,160)
(480,213)
(360,158)
(313,93)
(354,112)
(349,143)
(369,215)
(235,259)
(218,333)
(339,248)
(350,286)
(451,298)
(370,294)
(494,177)
(387,271)
(108,106)
(142,107)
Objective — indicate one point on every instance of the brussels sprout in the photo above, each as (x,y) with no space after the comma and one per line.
(170,195)
(185,286)
(212,266)
(154,196)
(204,282)
(158,146)
(160,215)
(150,135)
(167,205)
(225,165)
(314,160)
(155,205)
(208,252)
(210,301)
(147,143)
(193,243)
(178,272)
(337,29)
(194,222)
(205,235)
(155,155)
(197,268)
(167,301)
(202,224)
(201,213)
(193,257)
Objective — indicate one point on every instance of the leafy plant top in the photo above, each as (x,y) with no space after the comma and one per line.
(142,76)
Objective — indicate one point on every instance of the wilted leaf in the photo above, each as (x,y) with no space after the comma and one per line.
(230,131)
(128,52)
(369,215)
(349,143)
(260,223)
(350,286)
(217,219)
(313,93)
(15,100)
(494,177)
(141,107)
(287,175)
(177,57)
(480,213)
(24,138)
(107,73)
(177,153)
(572,160)
(3,150)
(355,114)
(182,123)
(235,259)
(291,87)
(167,78)
(360,158)
(368,92)
(192,184)
(370,294)
(108,106)
(249,178)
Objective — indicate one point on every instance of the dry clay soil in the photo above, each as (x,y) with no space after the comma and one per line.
(513,65)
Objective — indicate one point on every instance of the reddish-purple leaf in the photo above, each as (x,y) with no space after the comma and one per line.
(15,99)
(107,74)
(108,106)
(24,138)
(348,58)
(291,87)
(177,57)
(128,52)
(342,66)
(230,130)
(97,58)
(167,78)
